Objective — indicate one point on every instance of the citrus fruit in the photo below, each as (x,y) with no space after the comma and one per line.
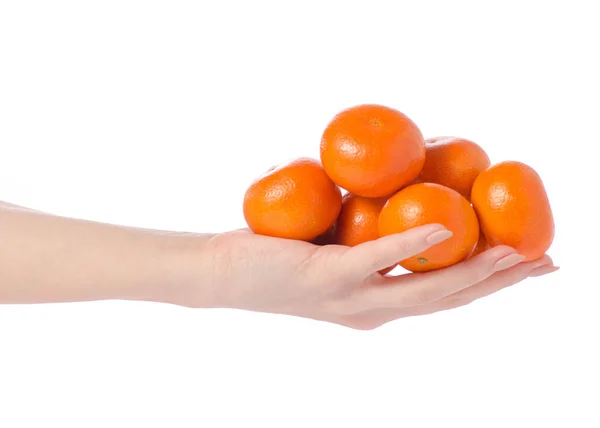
(372,150)
(513,207)
(453,162)
(358,221)
(326,238)
(426,203)
(296,200)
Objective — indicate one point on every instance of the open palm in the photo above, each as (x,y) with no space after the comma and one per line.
(342,285)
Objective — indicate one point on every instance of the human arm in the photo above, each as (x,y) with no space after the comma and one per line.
(47,258)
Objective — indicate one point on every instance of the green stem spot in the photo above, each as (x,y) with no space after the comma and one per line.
(422,260)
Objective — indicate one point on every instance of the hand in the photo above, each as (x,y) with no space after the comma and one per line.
(341,285)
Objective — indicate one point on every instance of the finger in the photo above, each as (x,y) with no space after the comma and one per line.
(497,282)
(424,288)
(369,257)
(543,270)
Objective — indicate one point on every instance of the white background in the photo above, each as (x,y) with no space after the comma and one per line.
(158,114)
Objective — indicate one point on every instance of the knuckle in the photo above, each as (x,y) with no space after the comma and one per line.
(457,302)
(424,296)
(370,265)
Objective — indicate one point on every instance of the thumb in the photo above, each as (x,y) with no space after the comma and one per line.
(369,257)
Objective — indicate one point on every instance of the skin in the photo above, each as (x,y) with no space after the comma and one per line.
(47,258)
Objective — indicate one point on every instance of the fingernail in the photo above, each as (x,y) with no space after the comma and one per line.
(439,236)
(508,261)
(543,270)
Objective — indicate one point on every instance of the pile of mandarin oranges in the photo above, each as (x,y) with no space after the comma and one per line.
(393,180)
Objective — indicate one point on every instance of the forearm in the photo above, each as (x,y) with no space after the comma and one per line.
(46,258)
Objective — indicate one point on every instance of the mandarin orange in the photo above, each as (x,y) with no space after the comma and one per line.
(453,162)
(372,150)
(358,221)
(513,207)
(296,200)
(426,203)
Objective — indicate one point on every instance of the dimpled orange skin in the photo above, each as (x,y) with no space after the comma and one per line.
(358,221)
(426,203)
(372,150)
(453,162)
(296,200)
(513,207)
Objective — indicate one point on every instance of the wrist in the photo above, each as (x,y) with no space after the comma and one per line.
(184,271)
